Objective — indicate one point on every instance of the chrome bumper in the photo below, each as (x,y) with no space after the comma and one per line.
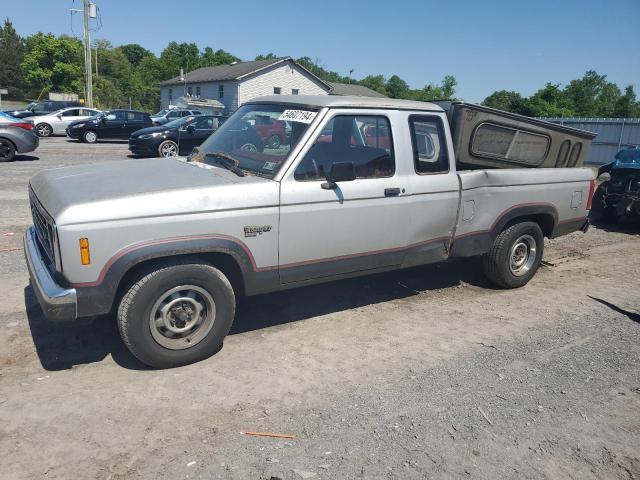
(58,304)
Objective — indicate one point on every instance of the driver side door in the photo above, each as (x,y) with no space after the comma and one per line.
(357,226)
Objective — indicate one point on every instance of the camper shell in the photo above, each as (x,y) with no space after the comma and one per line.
(484,137)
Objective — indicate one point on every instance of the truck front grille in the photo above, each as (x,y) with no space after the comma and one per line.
(45,228)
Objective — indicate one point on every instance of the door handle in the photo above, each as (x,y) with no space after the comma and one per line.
(391,192)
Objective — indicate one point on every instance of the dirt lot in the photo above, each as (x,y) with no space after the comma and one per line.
(426,373)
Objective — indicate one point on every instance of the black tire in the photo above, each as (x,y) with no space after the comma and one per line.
(90,136)
(166,147)
(600,213)
(145,295)
(497,262)
(43,130)
(7,150)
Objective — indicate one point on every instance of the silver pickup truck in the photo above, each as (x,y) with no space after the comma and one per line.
(361,185)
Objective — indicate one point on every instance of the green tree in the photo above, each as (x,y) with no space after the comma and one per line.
(209,58)
(397,88)
(627,105)
(134,53)
(177,56)
(12,49)
(53,63)
(375,82)
(503,100)
(592,95)
(268,56)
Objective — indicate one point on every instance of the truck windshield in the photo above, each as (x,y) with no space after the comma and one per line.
(256,139)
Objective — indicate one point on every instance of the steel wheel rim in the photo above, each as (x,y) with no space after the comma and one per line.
(249,147)
(182,317)
(43,130)
(91,137)
(522,255)
(169,150)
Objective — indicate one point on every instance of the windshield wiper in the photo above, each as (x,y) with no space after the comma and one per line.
(226,161)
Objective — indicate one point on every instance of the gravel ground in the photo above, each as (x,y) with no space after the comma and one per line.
(425,373)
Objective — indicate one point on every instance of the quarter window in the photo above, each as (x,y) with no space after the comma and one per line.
(429,145)
(364,140)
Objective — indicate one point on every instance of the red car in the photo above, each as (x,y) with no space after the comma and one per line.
(271,132)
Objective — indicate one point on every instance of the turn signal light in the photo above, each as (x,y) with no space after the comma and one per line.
(85,257)
(592,189)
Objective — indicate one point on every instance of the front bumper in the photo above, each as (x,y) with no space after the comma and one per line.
(73,133)
(58,304)
(143,147)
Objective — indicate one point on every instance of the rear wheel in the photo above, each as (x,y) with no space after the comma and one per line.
(7,150)
(176,314)
(44,130)
(168,148)
(90,136)
(515,255)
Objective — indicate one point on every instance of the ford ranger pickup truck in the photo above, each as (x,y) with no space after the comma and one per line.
(169,245)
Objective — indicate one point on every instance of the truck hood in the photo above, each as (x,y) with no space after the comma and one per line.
(145,188)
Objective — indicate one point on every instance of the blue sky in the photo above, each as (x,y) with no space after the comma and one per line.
(487,45)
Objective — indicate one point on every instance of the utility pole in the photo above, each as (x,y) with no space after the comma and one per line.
(87,56)
(89,10)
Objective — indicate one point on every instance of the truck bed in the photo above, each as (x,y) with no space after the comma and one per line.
(487,197)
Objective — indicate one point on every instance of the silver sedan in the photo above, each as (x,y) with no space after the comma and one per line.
(57,122)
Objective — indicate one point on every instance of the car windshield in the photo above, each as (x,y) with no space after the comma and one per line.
(254,146)
(161,113)
(631,155)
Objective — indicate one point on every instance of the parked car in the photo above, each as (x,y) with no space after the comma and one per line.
(16,136)
(165,116)
(169,245)
(619,197)
(178,137)
(56,123)
(113,124)
(271,131)
(42,108)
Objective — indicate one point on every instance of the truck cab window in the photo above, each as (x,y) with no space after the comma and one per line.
(364,140)
(429,146)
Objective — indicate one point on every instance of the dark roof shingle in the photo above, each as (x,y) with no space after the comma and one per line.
(350,89)
(224,72)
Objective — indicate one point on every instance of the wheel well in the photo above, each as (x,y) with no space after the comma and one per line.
(546,222)
(222,261)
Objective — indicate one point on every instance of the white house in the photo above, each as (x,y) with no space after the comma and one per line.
(232,85)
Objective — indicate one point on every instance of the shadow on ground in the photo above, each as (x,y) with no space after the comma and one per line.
(628,226)
(633,316)
(25,158)
(62,347)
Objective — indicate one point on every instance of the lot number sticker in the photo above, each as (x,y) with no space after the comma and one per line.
(301,116)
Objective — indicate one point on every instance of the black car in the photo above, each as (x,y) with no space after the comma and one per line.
(113,124)
(42,108)
(178,137)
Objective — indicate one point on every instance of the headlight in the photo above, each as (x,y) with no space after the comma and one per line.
(147,136)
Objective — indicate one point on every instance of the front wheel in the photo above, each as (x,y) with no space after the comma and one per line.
(44,130)
(90,137)
(168,148)
(176,314)
(515,255)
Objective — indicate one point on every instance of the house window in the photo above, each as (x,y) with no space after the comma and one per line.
(295,91)
(220,91)
(277,90)
(171,94)
(198,92)
(189,91)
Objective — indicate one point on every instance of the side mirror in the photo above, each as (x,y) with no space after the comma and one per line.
(191,129)
(340,172)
